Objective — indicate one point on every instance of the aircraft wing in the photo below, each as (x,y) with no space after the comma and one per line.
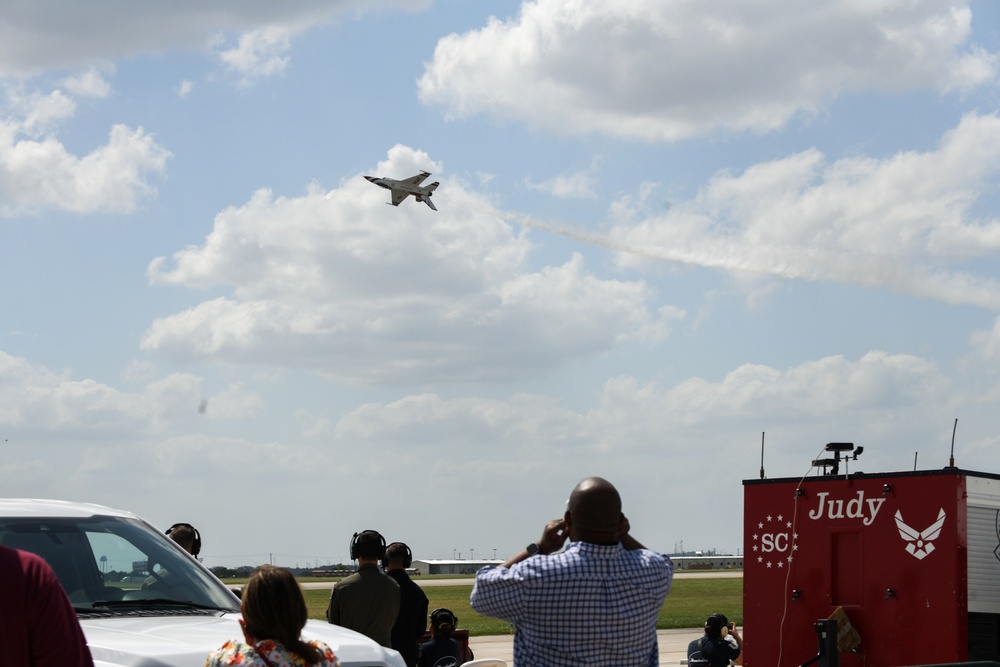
(416,180)
(398,196)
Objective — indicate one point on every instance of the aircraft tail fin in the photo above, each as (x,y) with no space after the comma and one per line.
(427,200)
(433,186)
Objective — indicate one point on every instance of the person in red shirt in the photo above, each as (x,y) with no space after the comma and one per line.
(38,627)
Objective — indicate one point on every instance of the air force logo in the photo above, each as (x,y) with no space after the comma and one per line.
(920,543)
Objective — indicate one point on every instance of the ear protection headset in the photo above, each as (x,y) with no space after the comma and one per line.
(196,546)
(407,559)
(442,615)
(354,544)
(715,624)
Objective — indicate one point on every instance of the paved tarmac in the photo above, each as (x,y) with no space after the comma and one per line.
(672,643)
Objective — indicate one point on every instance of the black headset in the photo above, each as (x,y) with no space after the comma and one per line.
(354,544)
(442,615)
(715,623)
(196,546)
(407,559)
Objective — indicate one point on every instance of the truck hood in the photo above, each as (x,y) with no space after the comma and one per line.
(186,641)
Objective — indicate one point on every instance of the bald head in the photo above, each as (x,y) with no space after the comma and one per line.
(594,511)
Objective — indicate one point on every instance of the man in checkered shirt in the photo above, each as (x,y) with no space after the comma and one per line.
(595,603)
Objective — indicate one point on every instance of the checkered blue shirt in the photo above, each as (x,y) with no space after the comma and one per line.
(591,604)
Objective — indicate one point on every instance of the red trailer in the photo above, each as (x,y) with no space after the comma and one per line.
(912,558)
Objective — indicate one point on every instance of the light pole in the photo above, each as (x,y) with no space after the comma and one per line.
(472,555)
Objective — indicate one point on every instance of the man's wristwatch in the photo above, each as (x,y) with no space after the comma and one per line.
(532,549)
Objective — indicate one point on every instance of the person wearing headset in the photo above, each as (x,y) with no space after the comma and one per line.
(441,650)
(412,619)
(187,536)
(367,601)
(715,648)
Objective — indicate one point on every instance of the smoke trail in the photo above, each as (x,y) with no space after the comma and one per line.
(589,238)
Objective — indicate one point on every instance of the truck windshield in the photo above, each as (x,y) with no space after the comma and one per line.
(107,564)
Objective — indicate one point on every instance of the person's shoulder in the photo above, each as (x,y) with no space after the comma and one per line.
(26,558)
(348,580)
(410,585)
(328,656)
(33,567)
(232,653)
(648,556)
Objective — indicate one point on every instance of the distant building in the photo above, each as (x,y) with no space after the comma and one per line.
(716,562)
(452,566)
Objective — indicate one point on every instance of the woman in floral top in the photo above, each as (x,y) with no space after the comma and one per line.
(274,613)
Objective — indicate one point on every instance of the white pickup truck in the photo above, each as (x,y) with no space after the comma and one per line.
(170,616)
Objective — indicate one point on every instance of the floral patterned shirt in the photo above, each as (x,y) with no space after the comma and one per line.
(266,653)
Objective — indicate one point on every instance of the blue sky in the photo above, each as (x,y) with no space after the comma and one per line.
(663,229)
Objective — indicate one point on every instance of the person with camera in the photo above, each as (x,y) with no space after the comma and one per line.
(720,644)
(596,602)
(441,650)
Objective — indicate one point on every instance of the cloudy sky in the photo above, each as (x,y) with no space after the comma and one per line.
(663,230)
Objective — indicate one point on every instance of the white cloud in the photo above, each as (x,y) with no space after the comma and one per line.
(893,398)
(184,88)
(667,71)
(37,175)
(573,185)
(339,282)
(260,53)
(88,84)
(153,440)
(36,399)
(903,223)
(986,344)
(48,34)
(34,113)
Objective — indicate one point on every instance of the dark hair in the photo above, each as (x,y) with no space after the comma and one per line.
(714,624)
(443,622)
(187,536)
(273,608)
(368,544)
(397,552)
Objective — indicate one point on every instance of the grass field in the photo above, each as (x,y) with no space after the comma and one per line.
(690,602)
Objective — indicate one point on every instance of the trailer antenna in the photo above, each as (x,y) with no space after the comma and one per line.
(951,461)
(762,454)
(915,461)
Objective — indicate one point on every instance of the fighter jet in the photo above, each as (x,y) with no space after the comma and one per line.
(406,187)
